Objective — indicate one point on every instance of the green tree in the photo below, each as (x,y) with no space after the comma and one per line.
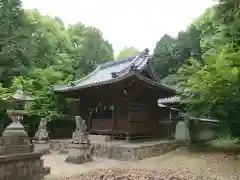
(227,12)
(13,41)
(171,53)
(163,55)
(37,52)
(214,88)
(89,48)
(127,51)
(49,39)
(38,84)
(210,83)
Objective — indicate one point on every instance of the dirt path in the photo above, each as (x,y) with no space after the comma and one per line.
(213,165)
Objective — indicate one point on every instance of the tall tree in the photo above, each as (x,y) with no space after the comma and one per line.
(213,88)
(89,48)
(171,53)
(37,51)
(13,41)
(49,39)
(163,55)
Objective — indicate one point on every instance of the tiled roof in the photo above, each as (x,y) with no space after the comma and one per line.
(109,71)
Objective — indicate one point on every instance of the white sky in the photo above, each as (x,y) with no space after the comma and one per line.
(138,23)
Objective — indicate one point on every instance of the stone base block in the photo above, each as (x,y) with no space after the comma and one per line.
(81,159)
(42,148)
(80,137)
(46,171)
(16,149)
(79,154)
(99,138)
(26,166)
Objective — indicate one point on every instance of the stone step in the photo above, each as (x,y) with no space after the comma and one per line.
(99,138)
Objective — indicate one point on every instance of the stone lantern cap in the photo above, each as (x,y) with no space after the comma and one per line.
(20,95)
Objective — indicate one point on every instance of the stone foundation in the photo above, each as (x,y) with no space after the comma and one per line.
(64,144)
(132,152)
(121,151)
(27,166)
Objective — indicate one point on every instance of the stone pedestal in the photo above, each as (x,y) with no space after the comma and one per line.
(42,146)
(41,134)
(80,137)
(80,145)
(79,154)
(17,157)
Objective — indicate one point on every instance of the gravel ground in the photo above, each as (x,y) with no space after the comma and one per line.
(176,165)
(140,174)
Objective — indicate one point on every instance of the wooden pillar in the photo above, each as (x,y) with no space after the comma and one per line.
(113,118)
(89,120)
(170,123)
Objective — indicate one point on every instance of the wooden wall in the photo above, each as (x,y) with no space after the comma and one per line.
(136,109)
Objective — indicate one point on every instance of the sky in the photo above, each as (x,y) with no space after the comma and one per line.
(124,23)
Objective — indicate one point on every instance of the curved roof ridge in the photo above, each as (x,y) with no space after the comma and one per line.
(117,62)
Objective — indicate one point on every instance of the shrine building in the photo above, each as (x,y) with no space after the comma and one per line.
(120,99)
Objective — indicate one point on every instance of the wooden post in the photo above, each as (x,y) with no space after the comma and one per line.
(113,118)
(90,121)
(170,122)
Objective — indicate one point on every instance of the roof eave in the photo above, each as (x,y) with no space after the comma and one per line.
(155,83)
(139,76)
(73,88)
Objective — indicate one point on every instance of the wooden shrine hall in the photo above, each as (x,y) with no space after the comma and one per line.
(120,99)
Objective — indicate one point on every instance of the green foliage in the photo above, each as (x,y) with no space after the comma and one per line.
(13,41)
(214,83)
(206,58)
(38,84)
(214,88)
(215,29)
(37,52)
(88,49)
(171,53)
(127,51)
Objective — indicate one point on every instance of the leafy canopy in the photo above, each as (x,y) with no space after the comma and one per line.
(38,51)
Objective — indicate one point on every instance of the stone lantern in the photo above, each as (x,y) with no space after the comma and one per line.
(17,103)
(17,157)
